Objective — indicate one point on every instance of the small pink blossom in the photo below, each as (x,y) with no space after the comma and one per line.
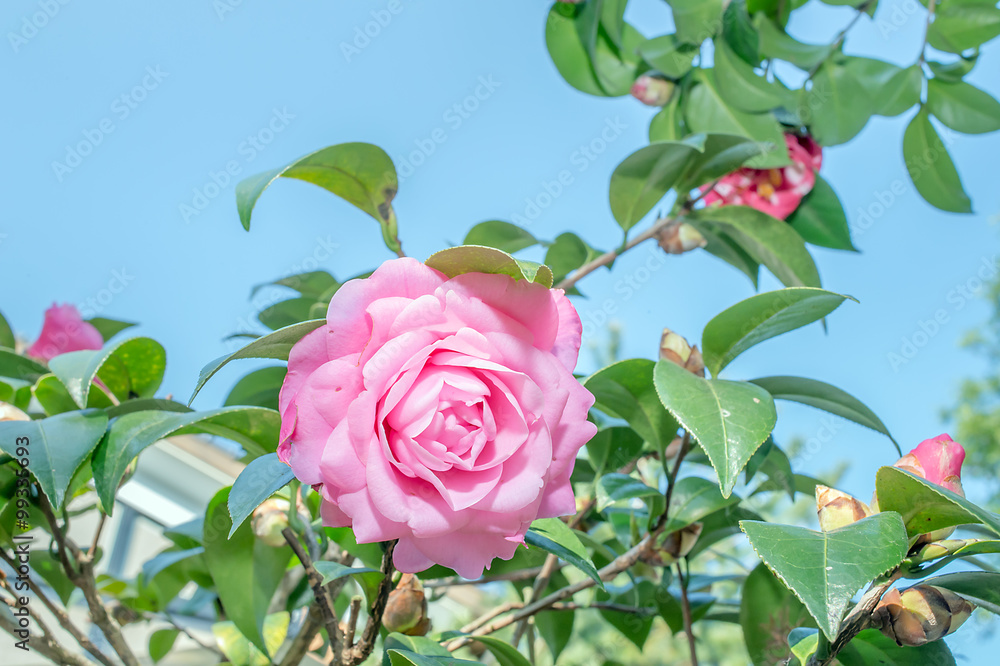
(939,460)
(777,192)
(652,90)
(64,330)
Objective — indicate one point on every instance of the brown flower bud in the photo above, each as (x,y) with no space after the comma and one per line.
(270,518)
(920,614)
(836,509)
(681,238)
(406,609)
(674,546)
(676,349)
(9,412)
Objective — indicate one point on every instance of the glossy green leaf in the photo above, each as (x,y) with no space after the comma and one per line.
(668,55)
(963,107)
(161,642)
(6,334)
(824,396)
(695,498)
(644,177)
(740,33)
(246,572)
(504,653)
(760,318)
(958,27)
(55,399)
(721,154)
(554,536)
(625,390)
(360,173)
(706,111)
(407,658)
(953,72)
(740,86)
(803,643)
(288,312)
(314,284)
(254,428)
(478,259)
(668,124)
(567,253)
(643,596)
(259,388)
(260,479)
(767,240)
(132,368)
(616,487)
(696,20)
(768,611)
(332,571)
(775,43)
(613,448)
(569,52)
(50,569)
(109,328)
(925,506)
(556,629)
(16,366)
(56,447)
(930,167)
(980,587)
(275,345)
(826,569)
(720,244)
(146,404)
(820,219)
(900,92)
(872,647)
(152,567)
(503,236)
(837,107)
(728,419)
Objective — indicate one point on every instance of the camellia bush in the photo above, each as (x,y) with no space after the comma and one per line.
(429,432)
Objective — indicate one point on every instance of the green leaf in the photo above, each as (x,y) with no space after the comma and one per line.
(568,51)
(837,107)
(760,318)
(145,404)
(644,177)
(616,487)
(407,658)
(722,154)
(980,587)
(359,173)
(50,568)
(953,72)
(567,253)
(314,284)
(739,32)
(478,259)
(706,111)
(767,240)
(132,368)
(56,447)
(161,642)
(930,167)
(505,654)
(669,56)
(826,569)
(695,498)
(503,236)
(926,506)
(963,107)
(668,124)
(275,345)
(55,399)
(332,571)
(625,390)
(168,558)
(260,388)
(740,86)
(803,643)
(109,328)
(246,572)
(254,428)
(696,20)
(900,92)
(768,611)
(820,219)
(554,536)
(16,366)
(6,334)
(287,312)
(728,419)
(872,647)
(259,480)
(775,43)
(645,597)
(613,448)
(556,629)
(725,247)
(826,397)
(958,27)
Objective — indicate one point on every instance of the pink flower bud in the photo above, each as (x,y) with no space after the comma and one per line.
(64,331)
(939,461)
(652,90)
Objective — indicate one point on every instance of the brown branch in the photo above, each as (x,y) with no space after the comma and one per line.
(489,615)
(187,632)
(300,645)
(97,535)
(45,645)
(358,653)
(686,612)
(859,619)
(328,616)
(353,612)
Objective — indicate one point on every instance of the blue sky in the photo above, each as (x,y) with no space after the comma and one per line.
(173,93)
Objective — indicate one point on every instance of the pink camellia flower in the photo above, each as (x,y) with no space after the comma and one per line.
(776,192)
(64,330)
(439,412)
(939,460)
(652,90)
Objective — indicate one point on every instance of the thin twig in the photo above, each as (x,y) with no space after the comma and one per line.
(861,9)
(187,632)
(352,621)
(686,612)
(300,644)
(931,6)
(489,615)
(92,551)
(327,614)
(45,645)
(360,652)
